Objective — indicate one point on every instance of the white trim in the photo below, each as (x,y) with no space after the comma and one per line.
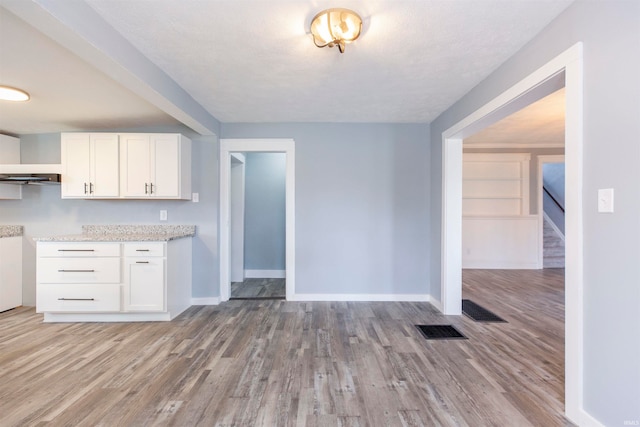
(266,145)
(552,225)
(265,274)
(30,168)
(437,304)
(363,297)
(451,234)
(543,81)
(586,420)
(205,301)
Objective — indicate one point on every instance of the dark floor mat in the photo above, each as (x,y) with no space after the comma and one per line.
(440,332)
(479,313)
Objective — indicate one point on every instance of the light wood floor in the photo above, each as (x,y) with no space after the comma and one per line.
(278,363)
(259,288)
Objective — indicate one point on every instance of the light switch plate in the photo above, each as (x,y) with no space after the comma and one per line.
(163,215)
(605,200)
(195,197)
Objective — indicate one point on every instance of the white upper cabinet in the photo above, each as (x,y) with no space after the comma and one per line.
(155,166)
(132,166)
(90,165)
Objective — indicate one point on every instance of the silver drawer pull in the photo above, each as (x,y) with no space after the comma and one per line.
(76,299)
(76,250)
(142,250)
(142,262)
(76,271)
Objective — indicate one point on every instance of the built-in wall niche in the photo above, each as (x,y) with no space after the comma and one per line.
(495,184)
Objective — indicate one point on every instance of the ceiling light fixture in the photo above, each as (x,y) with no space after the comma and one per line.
(335,27)
(12,94)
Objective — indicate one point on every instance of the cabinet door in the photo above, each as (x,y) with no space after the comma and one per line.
(165,166)
(10,272)
(105,160)
(135,162)
(144,284)
(76,165)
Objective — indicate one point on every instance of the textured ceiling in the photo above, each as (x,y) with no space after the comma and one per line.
(253,61)
(541,124)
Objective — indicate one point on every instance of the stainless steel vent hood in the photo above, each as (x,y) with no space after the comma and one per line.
(34,178)
(30,173)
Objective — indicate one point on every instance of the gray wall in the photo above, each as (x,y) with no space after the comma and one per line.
(610,31)
(44,213)
(264,217)
(362,205)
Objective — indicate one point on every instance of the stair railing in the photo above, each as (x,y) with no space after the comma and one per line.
(553,198)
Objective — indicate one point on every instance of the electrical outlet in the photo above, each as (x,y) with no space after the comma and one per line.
(195,197)
(163,215)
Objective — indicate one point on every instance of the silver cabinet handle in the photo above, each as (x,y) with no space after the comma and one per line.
(90,188)
(76,299)
(85,188)
(142,262)
(76,271)
(151,188)
(142,250)
(146,188)
(76,250)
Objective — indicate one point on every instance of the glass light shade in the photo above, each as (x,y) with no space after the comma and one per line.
(335,27)
(12,94)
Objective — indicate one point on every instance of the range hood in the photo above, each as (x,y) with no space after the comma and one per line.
(33,178)
(30,173)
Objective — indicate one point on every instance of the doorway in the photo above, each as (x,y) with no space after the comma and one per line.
(258,189)
(247,146)
(565,69)
(551,210)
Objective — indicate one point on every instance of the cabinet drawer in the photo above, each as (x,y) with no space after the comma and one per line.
(77,298)
(78,270)
(144,249)
(80,249)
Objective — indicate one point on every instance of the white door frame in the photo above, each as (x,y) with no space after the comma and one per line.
(227,146)
(551,158)
(569,65)
(236,206)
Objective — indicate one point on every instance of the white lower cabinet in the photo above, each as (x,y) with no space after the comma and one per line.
(137,281)
(145,277)
(10,272)
(64,298)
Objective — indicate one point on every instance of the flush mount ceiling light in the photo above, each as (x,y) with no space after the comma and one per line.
(12,94)
(335,27)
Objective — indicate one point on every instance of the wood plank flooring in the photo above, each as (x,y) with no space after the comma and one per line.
(278,363)
(259,288)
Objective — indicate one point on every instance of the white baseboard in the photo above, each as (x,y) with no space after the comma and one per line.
(437,304)
(362,297)
(265,274)
(205,301)
(586,420)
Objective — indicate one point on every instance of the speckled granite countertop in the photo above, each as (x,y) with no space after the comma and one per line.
(10,230)
(125,233)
